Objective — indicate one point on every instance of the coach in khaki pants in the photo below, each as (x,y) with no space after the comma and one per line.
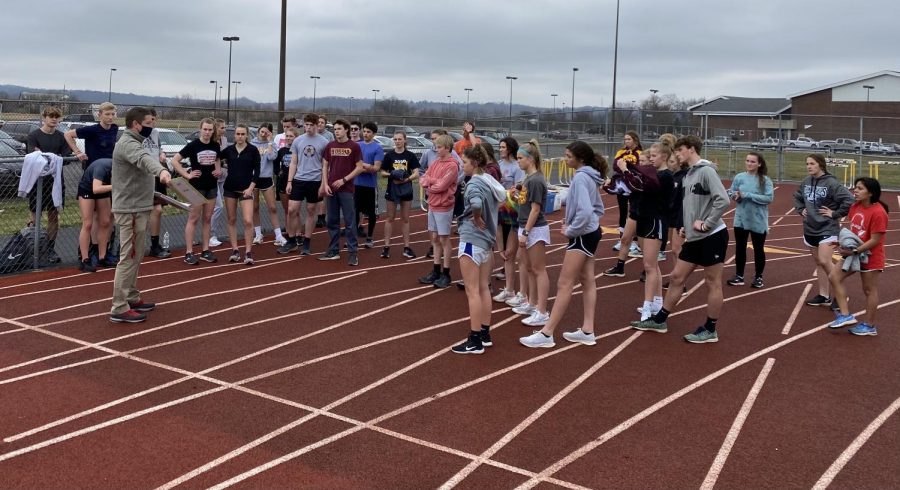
(133,185)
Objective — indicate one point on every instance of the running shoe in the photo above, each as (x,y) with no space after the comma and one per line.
(408,253)
(524,309)
(305,249)
(248,258)
(142,306)
(289,245)
(819,300)
(330,255)
(471,345)
(443,281)
(129,316)
(214,241)
(485,336)
(842,320)
(208,256)
(617,246)
(353,260)
(661,257)
(385,252)
(735,281)
(615,271)
(634,251)
(369,243)
(504,295)
(537,340)
(235,256)
(86,266)
(757,282)
(863,329)
(702,336)
(537,319)
(257,239)
(649,325)
(580,336)
(279,241)
(516,300)
(430,277)
(190,259)
(430,253)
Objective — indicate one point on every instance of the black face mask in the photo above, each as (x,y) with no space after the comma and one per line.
(145,131)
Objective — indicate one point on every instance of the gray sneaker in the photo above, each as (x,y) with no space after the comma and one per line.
(580,336)
(702,336)
(537,339)
(329,255)
(649,325)
(353,261)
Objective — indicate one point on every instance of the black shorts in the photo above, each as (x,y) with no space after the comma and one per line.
(281,184)
(46,195)
(587,243)
(208,194)
(707,251)
(89,194)
(652,228)
(264,183)
(364,199)
(676,220)
(239,195)
(814,241)
(306,190)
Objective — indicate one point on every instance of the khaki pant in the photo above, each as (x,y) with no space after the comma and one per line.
(132,238)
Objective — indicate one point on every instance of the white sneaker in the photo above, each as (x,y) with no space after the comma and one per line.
(581,337)
(661,257)
(516,300)
(503,295)
(280,241)
(634,251)
(537,339)
(523,309)
(214,241)
(537,319)
(257,239)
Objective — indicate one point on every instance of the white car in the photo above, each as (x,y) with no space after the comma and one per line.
(170,141)
(802,142)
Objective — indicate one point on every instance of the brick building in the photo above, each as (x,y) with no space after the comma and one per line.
(742,118)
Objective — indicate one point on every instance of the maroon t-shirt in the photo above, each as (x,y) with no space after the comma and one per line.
(342,158)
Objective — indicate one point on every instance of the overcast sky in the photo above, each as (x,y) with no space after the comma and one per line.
(428,49)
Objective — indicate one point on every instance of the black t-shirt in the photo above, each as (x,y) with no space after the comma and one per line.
(54,142)
(399,161)
(203,157)
(243,167)
(282,161)
(99,170)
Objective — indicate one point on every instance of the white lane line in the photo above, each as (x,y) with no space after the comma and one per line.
(845,457)
(630,422)
(534,416)
(719,462)
(796,311)
(88,345)
(728,212)
(784,215)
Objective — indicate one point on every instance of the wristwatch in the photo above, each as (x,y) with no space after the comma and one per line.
(524,232)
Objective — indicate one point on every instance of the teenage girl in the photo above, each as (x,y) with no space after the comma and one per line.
(265,184)
(243,172)
(534,235)
(510,176)
(652,226)
(753,192)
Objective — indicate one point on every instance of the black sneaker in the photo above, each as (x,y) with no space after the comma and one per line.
(86,266)
(129,316)
(643,277)
(443,281)
(155,251)
(52,257)
(104,262)
(615,271)
(408,253)
(288,246)
(329,255)
(485,336)
(735,281)
(385,252)
(165,254)
(369,243)
(208,256)
(757,282)
(190,259)
(472,345)
(353,261)
(819,300)
(305,249)
(430,277)
(235,256)
(430,253)
(320,223)
(142,306)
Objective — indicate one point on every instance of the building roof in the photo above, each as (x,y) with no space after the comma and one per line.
(847,82)
(727,105)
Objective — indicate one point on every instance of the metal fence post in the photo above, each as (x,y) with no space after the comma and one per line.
(38,208)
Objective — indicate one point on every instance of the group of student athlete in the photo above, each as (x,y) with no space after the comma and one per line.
(666,195)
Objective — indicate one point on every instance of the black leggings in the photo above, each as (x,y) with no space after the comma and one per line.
(623,209)
(740,253)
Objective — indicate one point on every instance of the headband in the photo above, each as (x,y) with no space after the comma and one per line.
(523,150)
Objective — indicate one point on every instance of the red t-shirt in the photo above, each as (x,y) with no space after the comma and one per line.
(342,158)
(864,221)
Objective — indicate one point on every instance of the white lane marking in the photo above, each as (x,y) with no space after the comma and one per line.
(845,457)
(719,462)
(630,422)
(796,311)
(534,416)
(784,215)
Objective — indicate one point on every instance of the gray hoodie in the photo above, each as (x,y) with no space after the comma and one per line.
(132,175)
(485,193)
(852,263)
(816,192)
(705,198)
(583,204)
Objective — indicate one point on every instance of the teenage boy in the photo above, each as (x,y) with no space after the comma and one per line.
(47,139)
(132,200)
(286,122)
(304,184)
(99,139)
(706,242)
(355,129)
(342,162)
(367,182)
(152,146)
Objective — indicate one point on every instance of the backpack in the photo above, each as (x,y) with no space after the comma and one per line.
(18,253)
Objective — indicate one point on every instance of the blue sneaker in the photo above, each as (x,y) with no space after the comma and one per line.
(864,329)
(842,320)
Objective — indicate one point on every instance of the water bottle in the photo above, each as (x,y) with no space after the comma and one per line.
(166,241)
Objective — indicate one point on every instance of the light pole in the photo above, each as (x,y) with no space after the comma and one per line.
(554,101)
(109,96)
(281,62)
(572,108)
(448,106)
(215,93)
(375,104)
(867,87)
(468,92)
(653,105)
(315,80)
(235,83)
(510,101)
(230,40)
(609,133)
(861,119)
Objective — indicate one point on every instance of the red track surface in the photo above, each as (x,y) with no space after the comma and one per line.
(292,373)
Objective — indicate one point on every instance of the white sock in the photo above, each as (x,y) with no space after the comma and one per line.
(278,235)
(645,310)
(258,230)
(657,303)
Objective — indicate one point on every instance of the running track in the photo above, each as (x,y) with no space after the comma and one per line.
(298,373)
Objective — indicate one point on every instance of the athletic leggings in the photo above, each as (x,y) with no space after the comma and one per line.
(740,253)
(623,209)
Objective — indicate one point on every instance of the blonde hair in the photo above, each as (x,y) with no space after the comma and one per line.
(532,149)
(107,106)
(444,141)
(668,139)
(664,148)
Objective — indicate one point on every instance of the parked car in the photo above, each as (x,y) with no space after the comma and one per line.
(87,118)
(170,141)
(497,134)
(802,142)
(767,143)
(387,144)
(9,172)
(840,144)
(596,130)
(20,130)
(418,145)
(718,141)
(876,147)
(12,142)
(389,130)
(560,135)
(491,141)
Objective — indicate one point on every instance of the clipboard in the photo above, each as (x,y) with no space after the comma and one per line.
(186,191)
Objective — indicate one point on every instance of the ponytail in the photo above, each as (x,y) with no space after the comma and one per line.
(585,154)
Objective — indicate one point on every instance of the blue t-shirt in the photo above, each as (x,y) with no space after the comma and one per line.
(98,142)
(371,153)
